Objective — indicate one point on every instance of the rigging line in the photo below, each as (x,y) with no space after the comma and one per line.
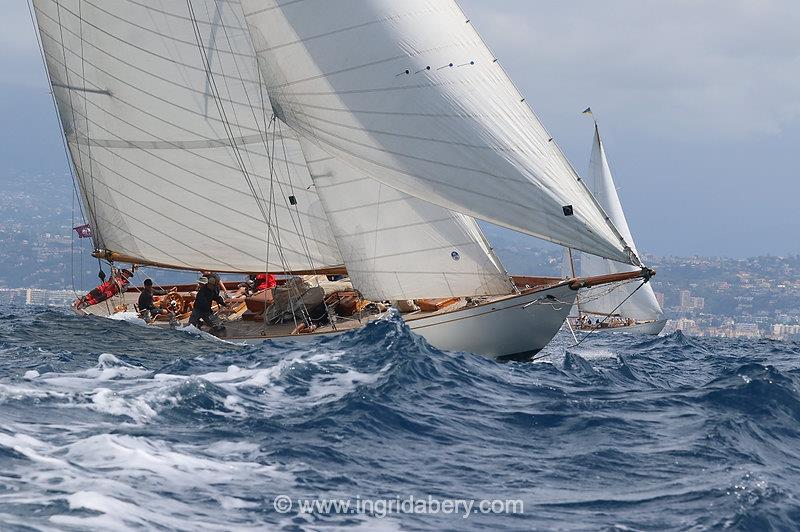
(304,240)
(267,231)
(225,81)
(303,310)
(223,115)
(220,107)
(72,248)
(572,269)
(273,173)
(585,336)
(246,92)
(301,233)
(229,131)
(271,153)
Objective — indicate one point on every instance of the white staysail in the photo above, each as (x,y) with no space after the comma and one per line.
(408,93)
(396,246)
(169,158)
(642,305)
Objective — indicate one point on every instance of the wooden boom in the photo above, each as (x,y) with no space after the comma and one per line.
(588,282)
(113,256)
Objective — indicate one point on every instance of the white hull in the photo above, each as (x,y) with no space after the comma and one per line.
(652,328)
(514,327)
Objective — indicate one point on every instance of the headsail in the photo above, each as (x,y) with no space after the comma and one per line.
(642,305)
(396,246)
(408,93)
(170,158)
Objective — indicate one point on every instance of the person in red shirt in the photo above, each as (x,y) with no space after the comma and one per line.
(116,285)
(265,281)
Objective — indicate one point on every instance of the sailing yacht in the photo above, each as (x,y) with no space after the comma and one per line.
(320,138)
(630,308)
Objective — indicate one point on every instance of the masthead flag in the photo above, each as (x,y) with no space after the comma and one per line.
(84,231)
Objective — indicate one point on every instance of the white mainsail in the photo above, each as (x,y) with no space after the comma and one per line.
(170,160)
(396,246)
(408,93)
(642,305)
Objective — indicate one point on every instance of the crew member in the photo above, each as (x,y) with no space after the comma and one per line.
(148,310)
(202,312)
(265,281)
(116,285)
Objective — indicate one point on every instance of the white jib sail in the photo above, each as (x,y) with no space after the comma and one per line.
(407,92)
(642,305)
(396,246)
(162,149)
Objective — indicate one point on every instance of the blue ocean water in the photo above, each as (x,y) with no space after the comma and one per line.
(111,426)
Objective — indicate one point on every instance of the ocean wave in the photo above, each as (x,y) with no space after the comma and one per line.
(108,425)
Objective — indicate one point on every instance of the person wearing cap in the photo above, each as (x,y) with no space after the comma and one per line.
(202,313)
(215,284)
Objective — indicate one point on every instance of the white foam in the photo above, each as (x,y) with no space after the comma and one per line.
(30,374)
(129,316)
(194,331)
(124,479)
(107,401)
(594,353)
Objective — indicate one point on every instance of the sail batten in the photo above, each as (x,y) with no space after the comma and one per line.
(408,93)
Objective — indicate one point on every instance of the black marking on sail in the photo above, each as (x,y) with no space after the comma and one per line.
(277,110)
(455,255)
(292,200)
(568,210)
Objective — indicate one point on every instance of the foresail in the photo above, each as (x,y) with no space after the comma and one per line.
(169,158)
(396,246)
(407,92)
(642,305)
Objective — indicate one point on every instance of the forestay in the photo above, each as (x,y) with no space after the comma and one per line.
(408,93)
(396,246)
(170,160)
(642,305)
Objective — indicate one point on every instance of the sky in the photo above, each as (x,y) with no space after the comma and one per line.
(698,102)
